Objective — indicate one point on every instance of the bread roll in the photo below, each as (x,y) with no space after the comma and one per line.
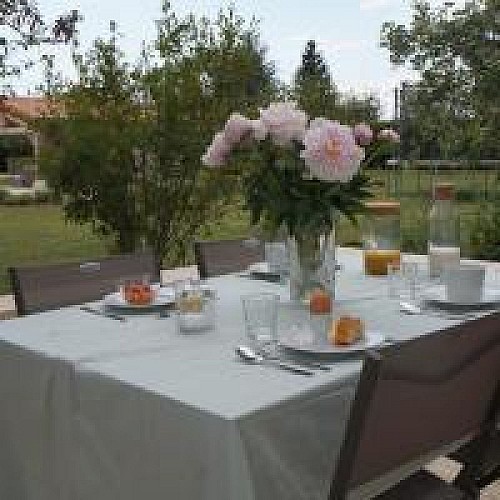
(345,331)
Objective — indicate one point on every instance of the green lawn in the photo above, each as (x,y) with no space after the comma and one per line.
(39,234)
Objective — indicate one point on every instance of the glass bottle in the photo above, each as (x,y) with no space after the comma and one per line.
(381,237)
(444,230)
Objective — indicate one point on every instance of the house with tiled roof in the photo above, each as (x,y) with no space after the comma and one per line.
(16,113)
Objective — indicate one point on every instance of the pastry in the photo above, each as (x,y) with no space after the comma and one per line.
(320,302)
(138,294)
(345,330)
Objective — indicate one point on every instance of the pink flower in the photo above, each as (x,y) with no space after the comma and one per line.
(284,122)
(331,153)
(259,130)
(389,135)
(363,134)
(237,127)
(218,152)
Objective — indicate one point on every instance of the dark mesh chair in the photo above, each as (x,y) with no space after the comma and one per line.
(40,288)
(214,258)
(480,459)
(415,400)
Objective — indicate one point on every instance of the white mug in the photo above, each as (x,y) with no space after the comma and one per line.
(464,283)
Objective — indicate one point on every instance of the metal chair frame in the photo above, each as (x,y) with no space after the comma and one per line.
(218,257)
(41,288)
(457,368)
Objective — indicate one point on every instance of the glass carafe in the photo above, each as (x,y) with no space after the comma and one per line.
(444,230)
(381,237)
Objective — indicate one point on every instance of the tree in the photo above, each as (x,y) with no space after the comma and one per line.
(127,154)
(315,92)
(456,51)
(313,87)
(23,27)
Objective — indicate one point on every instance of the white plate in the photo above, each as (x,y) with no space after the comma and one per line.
(437,296)
(302,344)
(164,297)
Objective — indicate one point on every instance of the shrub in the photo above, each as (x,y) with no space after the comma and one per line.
(485,233)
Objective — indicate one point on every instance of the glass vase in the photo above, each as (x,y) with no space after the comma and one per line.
(312,263)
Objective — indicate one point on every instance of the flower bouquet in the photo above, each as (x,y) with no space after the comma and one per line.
(300,174)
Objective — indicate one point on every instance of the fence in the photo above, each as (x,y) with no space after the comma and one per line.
(477,187)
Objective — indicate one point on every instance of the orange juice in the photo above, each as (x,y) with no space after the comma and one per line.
(376,261)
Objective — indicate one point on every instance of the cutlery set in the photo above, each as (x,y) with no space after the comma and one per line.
(307,368)
(414,309)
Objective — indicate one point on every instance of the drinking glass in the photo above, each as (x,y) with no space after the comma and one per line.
(260,312)
(408,280)
(195,306)
(277,258)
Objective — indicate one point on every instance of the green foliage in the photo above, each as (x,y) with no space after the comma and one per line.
(277,193)
(126,157)
(485,233)
(315,92)
(313,87)
(454,110)
(23,28)
(15,145)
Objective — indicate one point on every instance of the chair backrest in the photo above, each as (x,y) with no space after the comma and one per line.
(416,398)
(40,288)
(226,256)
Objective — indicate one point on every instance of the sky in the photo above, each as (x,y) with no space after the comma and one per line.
(347,33)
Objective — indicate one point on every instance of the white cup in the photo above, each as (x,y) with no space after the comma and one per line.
(276,256)
(464,283)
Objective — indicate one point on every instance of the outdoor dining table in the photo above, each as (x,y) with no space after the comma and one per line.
(94,408)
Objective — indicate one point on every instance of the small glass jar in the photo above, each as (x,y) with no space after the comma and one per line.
(381,237)
(195,306)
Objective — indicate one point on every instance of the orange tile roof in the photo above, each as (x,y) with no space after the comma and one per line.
(27,108)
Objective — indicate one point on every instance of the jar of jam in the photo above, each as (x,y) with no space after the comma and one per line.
(381,237)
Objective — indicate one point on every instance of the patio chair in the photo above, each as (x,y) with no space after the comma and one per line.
(214,258)
(480,459)
(40,288)
(415,401)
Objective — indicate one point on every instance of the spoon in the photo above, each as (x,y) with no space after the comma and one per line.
(408,308)
(250,356)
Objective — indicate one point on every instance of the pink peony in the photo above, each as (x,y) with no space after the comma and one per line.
(284,122)
(237,128)
(218,152)
(259,130)
(363,134)
(389,135)
(331,153)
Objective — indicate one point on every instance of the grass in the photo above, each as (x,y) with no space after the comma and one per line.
(37,234)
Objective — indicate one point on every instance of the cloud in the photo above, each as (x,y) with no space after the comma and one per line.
(365,5)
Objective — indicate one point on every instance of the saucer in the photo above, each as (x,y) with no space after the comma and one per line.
(437,296)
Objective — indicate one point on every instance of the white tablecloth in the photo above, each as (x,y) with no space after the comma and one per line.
(94,408)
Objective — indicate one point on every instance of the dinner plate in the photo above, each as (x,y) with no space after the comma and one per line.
(437,297)
(304,344)
(164,297)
